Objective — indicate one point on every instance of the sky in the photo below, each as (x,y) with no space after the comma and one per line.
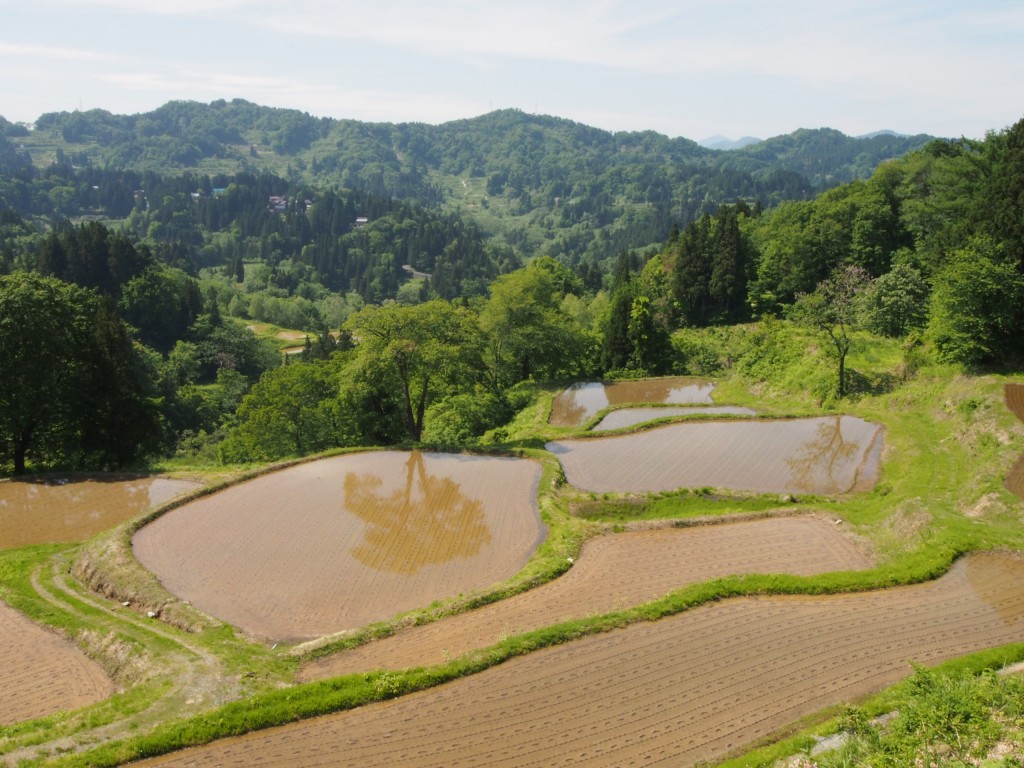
(690,68)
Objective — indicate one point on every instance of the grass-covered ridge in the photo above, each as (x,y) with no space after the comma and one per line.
(949,441)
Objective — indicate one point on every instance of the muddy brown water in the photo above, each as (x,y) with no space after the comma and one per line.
(629,417)
(582,401)
(693,687)
(64,510)
(605,578)
(824,455)
(338,543)
(42,672)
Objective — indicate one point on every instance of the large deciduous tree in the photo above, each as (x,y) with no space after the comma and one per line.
(71,389)
(417,354)
(832,309)
(528,334)
(976,315)
(291,411)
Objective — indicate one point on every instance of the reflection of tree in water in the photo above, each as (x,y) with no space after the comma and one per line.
(576,404)
(1015,402)
(427,521)
(1015,479)
(582,400)
(823,464)
(998,582)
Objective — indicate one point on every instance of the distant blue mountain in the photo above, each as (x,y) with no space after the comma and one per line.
(724,142)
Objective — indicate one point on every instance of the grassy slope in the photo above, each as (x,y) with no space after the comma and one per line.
(949,442)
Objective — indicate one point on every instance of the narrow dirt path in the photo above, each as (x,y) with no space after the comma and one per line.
(196,674)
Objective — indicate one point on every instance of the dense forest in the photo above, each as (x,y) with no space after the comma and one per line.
(533,184)
(141,256)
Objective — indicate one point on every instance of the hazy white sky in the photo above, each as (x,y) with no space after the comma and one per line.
(690,68)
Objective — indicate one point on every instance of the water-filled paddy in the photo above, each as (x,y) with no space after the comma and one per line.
(677,691)
(582,401)
(338,543)
(628,417)
(825,455)
(69,510)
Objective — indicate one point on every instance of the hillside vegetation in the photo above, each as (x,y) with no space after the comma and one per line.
(537,184)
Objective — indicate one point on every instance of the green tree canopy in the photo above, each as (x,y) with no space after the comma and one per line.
(976,307)
(416,354)
(72,392)
(528,334)
(832,309)
(291,411)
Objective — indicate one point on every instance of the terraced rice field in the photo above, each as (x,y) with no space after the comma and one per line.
(826,455)
(582,401)
(692,687)
(628,417)
(43,673)
(605,578)
(338,543)
(70,510)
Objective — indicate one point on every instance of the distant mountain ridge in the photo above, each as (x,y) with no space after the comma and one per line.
(724,142)
(533,183)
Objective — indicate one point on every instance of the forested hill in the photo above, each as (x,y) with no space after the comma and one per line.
(538,184)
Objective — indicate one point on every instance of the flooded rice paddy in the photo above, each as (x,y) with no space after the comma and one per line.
(338,543)
(824,455)
(68,510)
(629,417)
(43,673)
(583,401)
(685,689)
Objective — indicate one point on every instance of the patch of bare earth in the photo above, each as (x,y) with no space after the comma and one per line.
(338,543)
(697,686)
(824,455)
(614,572)
(42,672)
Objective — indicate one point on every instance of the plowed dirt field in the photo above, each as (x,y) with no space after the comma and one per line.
(672,692)
(825,455)
(41,673)
(338,543)
(606,578)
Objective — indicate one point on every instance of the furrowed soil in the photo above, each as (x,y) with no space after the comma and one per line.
(582,401)
(824,455)
(339,543)
(43,511)
(42,672)
(606,578)
(693,687)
